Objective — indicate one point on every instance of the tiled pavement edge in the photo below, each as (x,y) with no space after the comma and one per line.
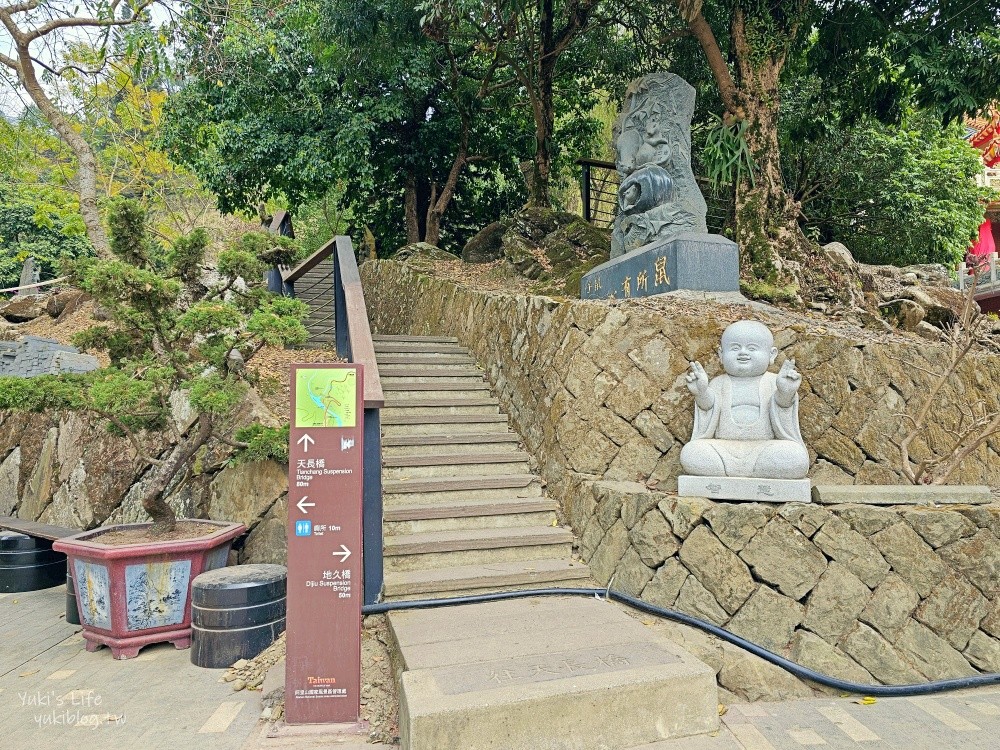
(54,695)
(965,720)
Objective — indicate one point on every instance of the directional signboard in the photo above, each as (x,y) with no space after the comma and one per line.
(323,660)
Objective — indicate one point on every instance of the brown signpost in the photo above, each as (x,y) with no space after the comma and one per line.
(323,659)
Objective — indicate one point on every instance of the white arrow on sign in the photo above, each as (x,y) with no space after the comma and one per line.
(343,555)
(305,441)
(302,505)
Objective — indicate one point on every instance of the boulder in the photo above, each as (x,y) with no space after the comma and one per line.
(422,251)
(23,309)
(65,301)
(838,252)
(544,245)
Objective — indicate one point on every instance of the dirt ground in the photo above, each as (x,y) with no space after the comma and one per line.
(379,702)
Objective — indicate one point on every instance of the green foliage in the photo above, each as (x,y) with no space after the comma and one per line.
(893,194)
(28,230)
(725,155)
(263,444)
(161,341)
(188,253)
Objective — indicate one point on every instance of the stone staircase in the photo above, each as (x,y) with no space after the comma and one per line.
(463,513)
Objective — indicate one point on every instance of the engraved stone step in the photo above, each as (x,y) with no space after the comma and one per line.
(449,445)
(475,579)
(402,393)
(550,672)
(469,514)
(453,423)
(439,406)
(469,464)
(428,339)
(468,483)
(419,347)
(423,360)
(397,374)
(444,549)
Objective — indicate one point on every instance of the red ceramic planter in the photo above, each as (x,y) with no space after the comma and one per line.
(130,596)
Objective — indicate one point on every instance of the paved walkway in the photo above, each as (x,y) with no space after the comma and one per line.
(54,695)
(966,720)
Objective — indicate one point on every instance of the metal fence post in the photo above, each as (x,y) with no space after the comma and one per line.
(340,311)
(585,192)
(372,508)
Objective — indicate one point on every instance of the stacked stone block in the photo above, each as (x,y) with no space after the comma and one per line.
(32,356)
(897,594)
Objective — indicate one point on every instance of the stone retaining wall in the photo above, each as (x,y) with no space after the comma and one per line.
(598,388)
(895,594)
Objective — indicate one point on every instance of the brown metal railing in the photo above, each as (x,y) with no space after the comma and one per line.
(354,342)
(599,193)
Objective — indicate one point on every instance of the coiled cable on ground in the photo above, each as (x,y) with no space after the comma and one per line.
(805,673)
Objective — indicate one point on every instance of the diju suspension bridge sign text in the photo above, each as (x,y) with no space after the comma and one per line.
(323,661)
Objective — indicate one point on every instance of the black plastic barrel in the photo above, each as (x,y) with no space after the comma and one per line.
(236,613)
(72,610)
(29,564)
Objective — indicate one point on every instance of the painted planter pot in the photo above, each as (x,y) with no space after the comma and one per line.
(130,596)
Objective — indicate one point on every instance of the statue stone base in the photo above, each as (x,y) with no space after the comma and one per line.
(746,489)
(700,262)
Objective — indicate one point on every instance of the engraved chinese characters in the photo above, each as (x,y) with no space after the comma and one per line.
(746,424)
(658,197)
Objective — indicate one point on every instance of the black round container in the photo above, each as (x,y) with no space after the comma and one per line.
(72,611)
(236,613)
(29,564)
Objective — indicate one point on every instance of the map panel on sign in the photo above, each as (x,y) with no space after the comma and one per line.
(325,398)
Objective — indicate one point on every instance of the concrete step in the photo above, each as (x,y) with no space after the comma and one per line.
(446,549)
(418,347)
(550,673)
(439,406)
(444,489)
(393,374)
(400,393)
(469,464)
(442,583)
(470,513)
(454,423)
(434,339)
(462,361)
(449,445)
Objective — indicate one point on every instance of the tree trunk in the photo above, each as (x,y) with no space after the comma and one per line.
(86,161)
(412,215)
(776,258)
(543,107)
(163,516)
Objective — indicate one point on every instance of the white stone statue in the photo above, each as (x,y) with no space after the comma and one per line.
(746,423)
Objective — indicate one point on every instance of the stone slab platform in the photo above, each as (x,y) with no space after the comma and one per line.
(547,673)
(701,262)
(878,494)
(743,489)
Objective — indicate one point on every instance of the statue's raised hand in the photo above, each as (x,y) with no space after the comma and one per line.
(787,383)
(697,383)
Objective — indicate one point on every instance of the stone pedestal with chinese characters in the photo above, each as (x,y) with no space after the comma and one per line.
(700,262)
(746,488)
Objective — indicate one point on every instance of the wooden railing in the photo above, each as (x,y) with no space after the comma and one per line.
(599,194)
(354,343)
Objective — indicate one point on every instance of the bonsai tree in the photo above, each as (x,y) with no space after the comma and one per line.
(169,330)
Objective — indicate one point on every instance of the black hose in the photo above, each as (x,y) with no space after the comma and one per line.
(887,691)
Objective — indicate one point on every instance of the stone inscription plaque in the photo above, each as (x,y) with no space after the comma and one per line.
(499,673)
(701,262)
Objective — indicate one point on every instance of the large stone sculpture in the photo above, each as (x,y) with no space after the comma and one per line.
(746,443)
(660,242)
(658,197)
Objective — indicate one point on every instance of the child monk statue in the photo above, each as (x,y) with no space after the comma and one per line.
(746,422)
